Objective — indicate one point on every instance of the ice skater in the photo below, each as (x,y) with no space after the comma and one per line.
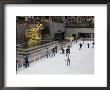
(48,52)
(26,61)
(80,46)
(63,51)
(16,64)
(67,51)
(53,52)
(56,48)
(93,45)
(68,46)
(68,61)
(88,45)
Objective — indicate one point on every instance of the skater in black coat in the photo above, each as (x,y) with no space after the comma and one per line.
(93,45)
(88,45)
(47,53)
(26,62)
(53,52)
(80,46)
(56,49)
(63,51)
(67,51)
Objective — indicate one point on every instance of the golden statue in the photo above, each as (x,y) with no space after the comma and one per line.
(33,35)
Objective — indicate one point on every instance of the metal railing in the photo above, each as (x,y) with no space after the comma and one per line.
(88,39)
(38,53)
(33,54)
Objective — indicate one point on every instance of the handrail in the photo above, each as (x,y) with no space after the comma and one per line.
(39,48)
(36,55)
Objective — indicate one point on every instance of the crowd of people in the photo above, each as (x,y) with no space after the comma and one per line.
(53,51)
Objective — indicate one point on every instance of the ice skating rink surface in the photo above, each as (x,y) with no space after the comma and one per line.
(82,62)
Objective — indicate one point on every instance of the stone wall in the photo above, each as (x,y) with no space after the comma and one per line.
(54,27)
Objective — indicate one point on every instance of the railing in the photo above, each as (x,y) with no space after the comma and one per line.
(88,39)
(80,25)
(38,53)
(33,53)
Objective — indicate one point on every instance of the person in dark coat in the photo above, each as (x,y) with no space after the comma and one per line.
(88,45)
(63,51)
(67,51)
(68,46)
(53,52)
(80,46)
(56,48)
(47,53)
(26,63)
(93,45)
(68,61)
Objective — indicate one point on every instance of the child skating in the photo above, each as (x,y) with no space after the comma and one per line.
(68,61)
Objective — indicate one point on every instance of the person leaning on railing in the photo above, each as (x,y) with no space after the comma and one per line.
(26,61)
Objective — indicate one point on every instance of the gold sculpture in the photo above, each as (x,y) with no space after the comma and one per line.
(33,35)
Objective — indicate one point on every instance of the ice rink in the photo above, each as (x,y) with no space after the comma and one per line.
(82,62)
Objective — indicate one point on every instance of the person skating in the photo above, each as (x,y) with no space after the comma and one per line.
(53,52)
(67,51)
(63,51)
(26,62)
(68,46)
(56,48)
(93,45)
(68,61)
(47,53)
(88,45)
(50,52)
(80,46)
